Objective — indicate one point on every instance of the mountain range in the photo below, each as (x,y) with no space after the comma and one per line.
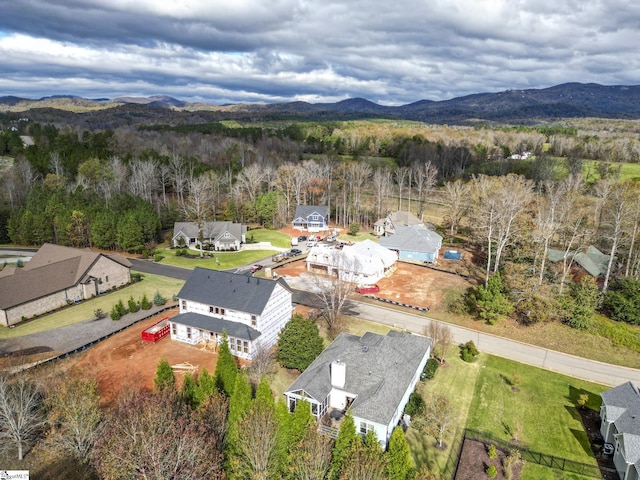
(569,100)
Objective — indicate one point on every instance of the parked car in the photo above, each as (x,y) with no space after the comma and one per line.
(302,238)
(256,267)
(312,242)
(332,238)
(294,241)
(362,289)
(278,257)
(295,252)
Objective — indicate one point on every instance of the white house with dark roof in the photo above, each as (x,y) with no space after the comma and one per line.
(252,311)
(389,224)
(362,262)
(415,242)
(312,218)
(220,236)
(56,276)
(369,377)
(620,426)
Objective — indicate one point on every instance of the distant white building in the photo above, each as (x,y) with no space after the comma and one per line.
(363,262)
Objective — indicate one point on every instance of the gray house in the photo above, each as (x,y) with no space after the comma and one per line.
(369,377)
(389,224)
(218,236)
(312,218)
(250,310)
(416,243)
(620,417)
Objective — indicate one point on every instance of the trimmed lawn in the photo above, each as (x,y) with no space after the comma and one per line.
(277,239)
(225,260)
(542,415)
(84,311)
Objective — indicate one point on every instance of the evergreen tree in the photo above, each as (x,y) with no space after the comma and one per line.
(346,444)
(165,378)
(115,313)
(399,465)
(580,302)
(299,343)
(120,306)
(491,302)
(206,386)
(226,367)
(145,304)
(188,392)
(622,300)
(133,305)
(239,404)
(158,299)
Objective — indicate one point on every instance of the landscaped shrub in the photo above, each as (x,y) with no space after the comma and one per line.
(468,352)
(157,257)
(492,452)
(115,313)
(98,313)
(430,369)
(415,405)
(121,310)
(158,299)
(136,277)
(491,471)
(133,305)
(145,304)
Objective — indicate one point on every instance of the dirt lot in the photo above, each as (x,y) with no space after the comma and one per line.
(415,285)
(125,360)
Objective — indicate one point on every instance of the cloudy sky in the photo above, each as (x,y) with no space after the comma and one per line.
(264,51)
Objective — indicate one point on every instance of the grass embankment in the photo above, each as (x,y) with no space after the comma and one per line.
(85,310)
(218,260)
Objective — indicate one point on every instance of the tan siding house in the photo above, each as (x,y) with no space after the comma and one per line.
(57,276)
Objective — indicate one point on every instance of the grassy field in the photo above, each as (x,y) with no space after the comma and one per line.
(84,311)
(218,260)
(277,239)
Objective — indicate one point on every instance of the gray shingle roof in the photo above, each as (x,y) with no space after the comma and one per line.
(303,211)
(622,404)
(379,369)
(416,238)
(229,290)
(215,324)
(403,218)
(210,229)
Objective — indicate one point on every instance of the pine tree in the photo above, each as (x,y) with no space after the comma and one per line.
(491,302)
(399,464)
(158,299)
(346,443)
(299,343)
(239,404)
(145,304)
(206,387)
(188,392)
(226,367)
(165,378)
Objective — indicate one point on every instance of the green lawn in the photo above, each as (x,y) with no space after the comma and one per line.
(277,239)
(542,413)
(84,311)
(358,237)
(217,261)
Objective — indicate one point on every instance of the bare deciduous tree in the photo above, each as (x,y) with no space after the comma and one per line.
(441,338)
(382,180)
(457,201)
(439,417)
(21,413)
(425,176)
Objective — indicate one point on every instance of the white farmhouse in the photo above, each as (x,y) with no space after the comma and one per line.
(370,377)
(251,311)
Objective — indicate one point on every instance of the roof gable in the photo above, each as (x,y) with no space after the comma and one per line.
(415,238)
(229,290)
(403,218)
(304,211)
(379,370)
(211,230)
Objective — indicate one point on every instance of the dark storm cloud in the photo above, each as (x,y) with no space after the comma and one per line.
(256,51)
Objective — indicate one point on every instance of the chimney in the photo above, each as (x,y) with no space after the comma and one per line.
(338,373)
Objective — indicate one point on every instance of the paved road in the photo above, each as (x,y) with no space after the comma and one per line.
(573,366)
(64,339)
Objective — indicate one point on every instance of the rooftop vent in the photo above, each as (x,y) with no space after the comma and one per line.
(365,348)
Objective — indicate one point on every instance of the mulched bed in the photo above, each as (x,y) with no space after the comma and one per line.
(474,461)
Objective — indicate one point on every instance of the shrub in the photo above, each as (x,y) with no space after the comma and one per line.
(98,313)
(136,276)
(115,313)
(468,352)
(513,459)
(492,471)
(157,257)
(145,304)
(430,369)
(133,305)
(492,452)
(415,405)
(299,343)
(158,299)
(354,228)
(121,310)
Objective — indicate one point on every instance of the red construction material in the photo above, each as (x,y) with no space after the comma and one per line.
(157,331)
(362,289)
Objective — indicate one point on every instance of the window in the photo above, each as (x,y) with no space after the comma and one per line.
(174,329)
(245,345)
(366,427)
(254,320)
(210,309)
(222,311)
(292,404)
(217,310)
(183,305)
(232,344)
(189,333)
(314,409)
(106,278)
